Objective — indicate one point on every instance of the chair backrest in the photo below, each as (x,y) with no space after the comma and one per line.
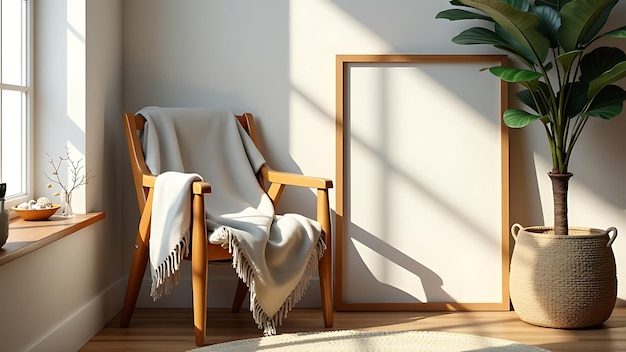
(135,123)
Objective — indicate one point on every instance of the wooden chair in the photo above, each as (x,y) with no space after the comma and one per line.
(272,181)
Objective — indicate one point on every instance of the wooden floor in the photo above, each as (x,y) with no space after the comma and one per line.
(171,330)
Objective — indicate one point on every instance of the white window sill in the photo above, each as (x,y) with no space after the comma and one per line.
(28,236)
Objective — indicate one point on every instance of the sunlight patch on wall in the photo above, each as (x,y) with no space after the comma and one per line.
(394,134)
(319,30)
(76,66)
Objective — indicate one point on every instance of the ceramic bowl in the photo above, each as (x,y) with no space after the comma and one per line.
(32,214)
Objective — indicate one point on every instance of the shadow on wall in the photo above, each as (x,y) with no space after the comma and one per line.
(362,282)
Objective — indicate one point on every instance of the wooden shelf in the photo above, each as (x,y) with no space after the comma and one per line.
(28,236)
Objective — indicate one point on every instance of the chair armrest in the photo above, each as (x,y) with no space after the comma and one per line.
(197,187)
(148,181)
(201,187)
(291,179)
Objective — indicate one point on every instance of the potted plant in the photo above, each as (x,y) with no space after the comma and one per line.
(567,78)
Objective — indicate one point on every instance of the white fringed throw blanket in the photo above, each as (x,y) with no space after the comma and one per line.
(274,255)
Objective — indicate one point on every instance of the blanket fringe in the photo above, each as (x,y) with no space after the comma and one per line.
(246,272)
(167,275)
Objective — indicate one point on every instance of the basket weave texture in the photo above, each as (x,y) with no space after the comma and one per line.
(565,282)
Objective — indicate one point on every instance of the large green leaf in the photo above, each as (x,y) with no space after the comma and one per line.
(567,59)
(514,75)
(516,118)
(549,23)
(576,99)
(479,35)
(554,4)
(599,61)
(523,5)
(458,14)
(517,54)
(522,26)
(607,111)
(456,3)
(537,96)
(526,98)
(613,75)
(608,103)
(578,19)
(597,26)
(616,33)
(529,57)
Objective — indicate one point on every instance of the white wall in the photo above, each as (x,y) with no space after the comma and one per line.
(58,297)
(277,60)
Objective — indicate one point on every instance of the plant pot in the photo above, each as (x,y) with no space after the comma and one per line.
(567,282)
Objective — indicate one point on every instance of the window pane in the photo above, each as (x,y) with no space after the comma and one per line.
(12,42)
(15,159)
(13,139)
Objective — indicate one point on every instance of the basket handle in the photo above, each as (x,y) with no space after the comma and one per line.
(611,239)
(515,229)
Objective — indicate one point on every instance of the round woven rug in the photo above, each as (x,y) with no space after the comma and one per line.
(374,341)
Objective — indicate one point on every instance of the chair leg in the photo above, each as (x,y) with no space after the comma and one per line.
(326,263)
(135,277)
(199,269)
(326,287)
(240,295)
(199,287)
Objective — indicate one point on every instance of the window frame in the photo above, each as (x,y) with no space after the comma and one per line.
(27,119)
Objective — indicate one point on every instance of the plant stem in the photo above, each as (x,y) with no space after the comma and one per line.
(559,193)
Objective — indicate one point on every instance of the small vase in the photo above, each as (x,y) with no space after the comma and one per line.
(66,204)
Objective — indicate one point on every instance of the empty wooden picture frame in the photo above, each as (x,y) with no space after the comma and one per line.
(422,183)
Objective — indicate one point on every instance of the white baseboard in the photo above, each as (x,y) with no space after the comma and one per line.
(84,323)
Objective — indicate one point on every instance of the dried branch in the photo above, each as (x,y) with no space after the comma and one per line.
(75,168)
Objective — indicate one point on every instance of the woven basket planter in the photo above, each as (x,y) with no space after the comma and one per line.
(564,282)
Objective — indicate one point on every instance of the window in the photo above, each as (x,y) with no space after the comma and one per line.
(15,96)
